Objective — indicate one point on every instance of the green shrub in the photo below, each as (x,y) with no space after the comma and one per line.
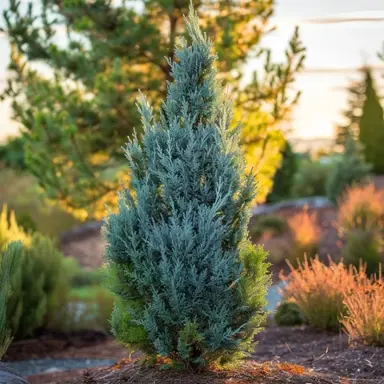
(363,246)
(10,261)
(288,314)
(274,224)
(190,286)
(39,287)
(310,179)
(349,170)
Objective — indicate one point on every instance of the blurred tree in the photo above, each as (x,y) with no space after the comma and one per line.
(284,177)
(78,114)
(350,169)
(352,113)
(371,126)
(12,153)
(310,178)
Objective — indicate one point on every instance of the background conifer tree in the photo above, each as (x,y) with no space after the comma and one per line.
(352,114)
(371,126)
(189,285)
(284,177)
(78,111)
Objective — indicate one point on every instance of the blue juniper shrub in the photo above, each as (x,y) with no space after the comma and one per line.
(189,285)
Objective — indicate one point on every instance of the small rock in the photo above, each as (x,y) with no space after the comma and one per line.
(52,370)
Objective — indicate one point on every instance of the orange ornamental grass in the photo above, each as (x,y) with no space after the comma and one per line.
(364,321)
(305,232)
(319,290)
(361,207)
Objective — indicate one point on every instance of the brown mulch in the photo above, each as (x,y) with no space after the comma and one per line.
(283,355)
(133,371)
(321,351)
(58,377)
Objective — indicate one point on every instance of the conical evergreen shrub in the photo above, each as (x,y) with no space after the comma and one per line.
(371,125)
(189,285)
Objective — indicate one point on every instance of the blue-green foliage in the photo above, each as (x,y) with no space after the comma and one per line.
(190,286)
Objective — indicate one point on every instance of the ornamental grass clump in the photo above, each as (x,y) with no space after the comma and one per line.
(305,233)
(364,321)
(360,224)
(319,290)
(190,287)
(361,208)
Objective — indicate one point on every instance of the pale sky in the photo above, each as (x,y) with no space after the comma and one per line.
(331,46)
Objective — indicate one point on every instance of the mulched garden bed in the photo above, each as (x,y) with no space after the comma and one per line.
(248,372)
(297,355)
(321,351)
